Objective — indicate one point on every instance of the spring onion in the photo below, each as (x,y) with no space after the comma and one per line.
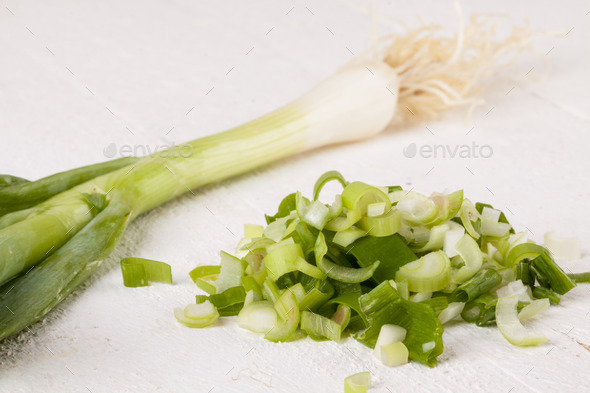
(433,73)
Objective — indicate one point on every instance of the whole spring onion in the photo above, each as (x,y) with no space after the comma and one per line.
(57,230)
(390,292)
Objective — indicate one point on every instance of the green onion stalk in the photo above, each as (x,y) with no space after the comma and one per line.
(55,232)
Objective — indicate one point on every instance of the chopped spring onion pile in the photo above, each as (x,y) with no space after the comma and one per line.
(388,267)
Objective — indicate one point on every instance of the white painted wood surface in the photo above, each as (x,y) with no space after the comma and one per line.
(76,77)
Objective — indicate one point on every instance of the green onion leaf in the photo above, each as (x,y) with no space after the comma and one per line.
(479,284)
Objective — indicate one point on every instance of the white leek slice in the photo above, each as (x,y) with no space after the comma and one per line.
(316,215)
(533,309)
(490,226)
(348,236)
(469,214)
(469,251)
(197,315)
(276,229)
(452,311)
(449,205)
(437,238)
(562,248)
(258,317)
(511,328)
(253,231)
(452,236)
(430,273)
(420,296)
(387,335)
(418,211)
(357,383)
(517,288)
(375,209)
(231,273)
(394,354)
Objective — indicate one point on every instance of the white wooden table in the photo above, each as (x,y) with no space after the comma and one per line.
(77,77)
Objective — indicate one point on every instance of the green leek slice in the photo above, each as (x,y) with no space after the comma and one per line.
(137,272)
(197,315)
(357,383)
(510,326)
(325,178)
(430,273)
(289,317)
(288,257)
(469,251)
(258,317)
(385,224)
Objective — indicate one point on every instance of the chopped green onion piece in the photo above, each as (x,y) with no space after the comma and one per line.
(391,251)
(137,272)
(357,383)
(550,271)
(270,290)
(325,178)
(347,274)
(544,293)
(510,327)
(289,316)
(384,306)
(523,251)
(251,285)
(479,284)
(416,209)
(229,297)
(230,274)
(375,209)
(469,251)
(197,315)
(533,309)
(451,312)
(394,354)
(316,215)
(358,196)
(288,257)
(436,239)
(469,214)
(430,273)
(253,231)
(438,304)
(319,327)
(348,236)
(342,316)
(343,223)
(287,205)
(384,225)
(258,317)
(204,277)
(449,205)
